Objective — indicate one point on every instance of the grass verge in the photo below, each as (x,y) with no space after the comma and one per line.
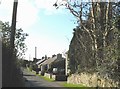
(46,78)
(74,86)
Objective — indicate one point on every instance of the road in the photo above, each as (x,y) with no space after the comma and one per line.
(31,80)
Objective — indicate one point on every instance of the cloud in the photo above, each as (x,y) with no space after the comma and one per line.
(6,7)
(28,11)
(47,6)
(27,14)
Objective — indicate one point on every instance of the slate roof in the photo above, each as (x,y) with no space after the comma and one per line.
(40,61)
(52,59)
(49,61)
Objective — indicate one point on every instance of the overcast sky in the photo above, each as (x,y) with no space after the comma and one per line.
(49,29)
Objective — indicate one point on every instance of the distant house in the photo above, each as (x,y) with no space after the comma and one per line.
(55,64)
(41,61)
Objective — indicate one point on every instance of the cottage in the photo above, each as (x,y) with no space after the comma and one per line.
(41,61)
(56,62)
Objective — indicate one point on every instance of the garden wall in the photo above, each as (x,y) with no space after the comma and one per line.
(91,80)
(51,76)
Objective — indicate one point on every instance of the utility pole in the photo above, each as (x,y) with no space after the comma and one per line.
(13,25)
(12,39)
(0,1)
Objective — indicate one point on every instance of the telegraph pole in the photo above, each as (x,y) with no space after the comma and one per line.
(12,39)
(13,25)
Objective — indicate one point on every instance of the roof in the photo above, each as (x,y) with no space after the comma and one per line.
(40,61)
(51,60)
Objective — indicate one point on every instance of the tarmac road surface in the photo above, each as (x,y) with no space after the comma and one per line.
(31,80)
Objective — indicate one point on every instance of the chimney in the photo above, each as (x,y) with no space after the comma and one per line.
(53,55)
(45,57)
(35,52)
(59,56)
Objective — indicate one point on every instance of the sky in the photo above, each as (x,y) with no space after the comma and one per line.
(49,29)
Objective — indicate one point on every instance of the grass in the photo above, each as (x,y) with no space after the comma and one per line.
(74,86)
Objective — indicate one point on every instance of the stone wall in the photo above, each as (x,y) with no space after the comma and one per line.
(51,76)
(91,80)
